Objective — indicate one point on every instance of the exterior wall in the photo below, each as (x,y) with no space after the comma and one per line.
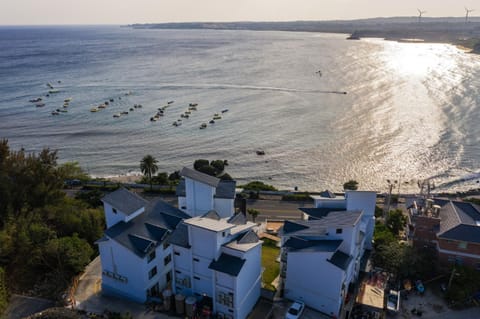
(364,201)
(182,264)
(112,218)
(224,207)
(311,278)
(199,197)
(248,283)
(204,242)
(329,202)
(451,252)
(182,203)
(425,233)
(120,263)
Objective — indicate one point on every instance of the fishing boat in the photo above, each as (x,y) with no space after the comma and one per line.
(62,110)
(102,106)
(170,102)
(203,126)
(67,100)
(153,119)
(54,91)
(225,111)
(260,152)
(111,100)
(212,122)
(50,85)
(65,105)
(131,109)
(94,109)
(193,104)
(217,117)
(40,104)
(116,115)
(38,99)
(124,113)
(55,113)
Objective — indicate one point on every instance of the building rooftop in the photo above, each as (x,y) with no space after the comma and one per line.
(245,241)
(319,213)
(228,264)
(179,236)
(151,227)
(225,189)
(125,201)
(209,224)
(301,244)
(199,177)
(341,260)
(460,221)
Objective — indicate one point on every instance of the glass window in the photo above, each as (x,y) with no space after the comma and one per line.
(165,245)
(114,210)
(152,272)
(339,231)
(151,256)
(462,245)
(167,259)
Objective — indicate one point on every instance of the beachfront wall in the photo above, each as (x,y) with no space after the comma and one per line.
(364,201)
(315,281)
(125,274)
(199,197)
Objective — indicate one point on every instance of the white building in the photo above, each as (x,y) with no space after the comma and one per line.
(321,255)
(215,254)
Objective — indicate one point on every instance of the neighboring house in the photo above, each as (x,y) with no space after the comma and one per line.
(321,255)
(452,228)
(150,246)
(134,251)
(219,258)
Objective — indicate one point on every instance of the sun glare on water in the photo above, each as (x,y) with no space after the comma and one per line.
(419,59)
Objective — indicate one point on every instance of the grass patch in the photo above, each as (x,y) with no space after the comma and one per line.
(272,268)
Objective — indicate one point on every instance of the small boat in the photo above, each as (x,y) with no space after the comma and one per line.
(157,116)
(203,126)
(106,103)
(188,112)
(59,81)
(216,114)
(102,106)
(40,104)
(128,93)
(116,115)
(62,111)
(192,108)
(94,109)
(50,85)
(38,99)
(68,100)
(111,100)
(139,106)
(193,104)
(212,122)
(55,113)
(124,113)
(225,111)
(177,123)
(54,91)
(182,115)
(66,105)
(131,109)
(186,116)
(260,152)
(159,113)
(217,117)
(153,119)
(170,102)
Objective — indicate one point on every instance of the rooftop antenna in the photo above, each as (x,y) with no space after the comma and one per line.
(420,12)
(467,11)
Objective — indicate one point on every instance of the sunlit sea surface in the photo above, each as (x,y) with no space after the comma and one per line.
(412,110)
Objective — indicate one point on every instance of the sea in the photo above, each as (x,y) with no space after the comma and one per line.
(323,109)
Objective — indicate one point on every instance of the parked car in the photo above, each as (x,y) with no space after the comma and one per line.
(393,301)
(295,310)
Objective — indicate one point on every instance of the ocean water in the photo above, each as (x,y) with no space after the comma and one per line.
(411,111)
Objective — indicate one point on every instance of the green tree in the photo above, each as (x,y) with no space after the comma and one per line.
(258,186)
(148,166)
(72,170)
(253,212)
(3,292)
(396,221)
(351,185)
(200,163)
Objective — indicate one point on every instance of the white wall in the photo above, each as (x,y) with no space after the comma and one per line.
(311,278)
(364,201)
(112,218)
(248,283)
(182,203)
(199,197)
(204,242)
(224,207)
(330,202)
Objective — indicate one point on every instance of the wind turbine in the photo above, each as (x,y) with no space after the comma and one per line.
(467,12)
(420,12)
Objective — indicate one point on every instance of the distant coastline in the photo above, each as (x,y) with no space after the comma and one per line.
(432,30)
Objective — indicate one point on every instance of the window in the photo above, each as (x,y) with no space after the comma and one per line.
(196,259)
(176,253)
(165,245)
(196,278)
(114,210)
(167,259)
(178,272)
(223,234)
(462,245)
(339,231)
(152,272)
(151,256)
(168,276)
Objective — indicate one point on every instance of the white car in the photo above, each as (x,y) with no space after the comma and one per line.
(295,310)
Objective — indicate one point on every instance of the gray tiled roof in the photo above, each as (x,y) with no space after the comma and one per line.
(158,220)
(296,243)
(228,264)
(341,260)
(199,176)
(459,221)
(318,213)
(318,227)
(212,215)
(249,237)
(238,219)
(179,236)
(125,201)
(327,194)
(226,189)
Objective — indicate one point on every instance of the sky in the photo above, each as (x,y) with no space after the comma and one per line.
(38,12)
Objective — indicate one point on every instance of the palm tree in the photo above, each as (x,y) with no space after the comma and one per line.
(148,166)
(253,212)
